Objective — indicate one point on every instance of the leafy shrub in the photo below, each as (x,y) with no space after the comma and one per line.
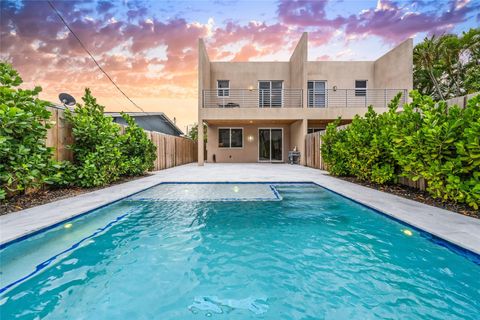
(363,148)
(101,154)
(334,153)
(25,161)
(96,147)
(427,140)
(138,152)
(441,144)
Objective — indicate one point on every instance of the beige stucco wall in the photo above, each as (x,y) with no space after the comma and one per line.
(298,67)
(341,73)
(203,69)
(203,83)
(391,71)
(242,75)
(298,130)
(394,70)
(249,152)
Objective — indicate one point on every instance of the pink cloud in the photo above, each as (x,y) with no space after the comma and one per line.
(394,23)
(307,13)
(45,53)
(248,51)
(267,39)
(389,20)
(324,57)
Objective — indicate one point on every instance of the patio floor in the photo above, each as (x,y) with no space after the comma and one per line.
(458,229)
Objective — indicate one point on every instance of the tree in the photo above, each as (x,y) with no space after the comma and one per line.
(96,147)
(138,152)
(448,66)
(193,133)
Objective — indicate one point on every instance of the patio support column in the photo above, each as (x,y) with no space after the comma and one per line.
(201,143)
(303,133)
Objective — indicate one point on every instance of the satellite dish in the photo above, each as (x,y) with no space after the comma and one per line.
(67,100)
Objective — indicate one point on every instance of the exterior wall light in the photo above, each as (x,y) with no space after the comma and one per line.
(250,138)
(334,88)
(250,88)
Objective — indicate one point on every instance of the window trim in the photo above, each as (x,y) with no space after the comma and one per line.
(225,91)
(230,137)
(326,94)
(357,93)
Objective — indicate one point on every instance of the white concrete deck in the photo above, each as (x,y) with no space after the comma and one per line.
(455,228)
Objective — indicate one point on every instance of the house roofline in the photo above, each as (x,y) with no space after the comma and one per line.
(145,114)
(302,41)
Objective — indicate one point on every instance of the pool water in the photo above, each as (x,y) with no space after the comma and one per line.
(307,254)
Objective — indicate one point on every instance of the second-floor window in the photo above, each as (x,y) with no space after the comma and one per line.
(360,88)
(316,94)
(270,94)
(223,88)
(230,137)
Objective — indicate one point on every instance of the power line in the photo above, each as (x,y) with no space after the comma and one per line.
(104,72)
(91,56)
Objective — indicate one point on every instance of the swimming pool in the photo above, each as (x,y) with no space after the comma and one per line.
(236,251)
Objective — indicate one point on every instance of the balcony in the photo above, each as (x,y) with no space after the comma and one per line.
(252,98)
(293,98)
(353,98)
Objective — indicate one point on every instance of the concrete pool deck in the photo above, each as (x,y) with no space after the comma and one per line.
(458,229)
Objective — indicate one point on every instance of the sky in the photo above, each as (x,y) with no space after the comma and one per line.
(150,47)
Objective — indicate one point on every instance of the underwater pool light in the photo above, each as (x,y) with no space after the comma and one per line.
(68,225)
(407,232)
(236,189)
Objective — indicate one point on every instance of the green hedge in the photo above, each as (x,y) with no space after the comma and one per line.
(25,161)
(426,140)
(138,152)
(101,153)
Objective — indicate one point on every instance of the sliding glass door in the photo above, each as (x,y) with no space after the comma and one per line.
(270,145)
(270,94)
(316,94)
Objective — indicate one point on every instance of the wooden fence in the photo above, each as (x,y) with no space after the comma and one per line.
(313,154)
(461,101)
(171,150)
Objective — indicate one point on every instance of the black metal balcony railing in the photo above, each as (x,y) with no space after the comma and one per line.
(255,98)
(353,98)
(293,98)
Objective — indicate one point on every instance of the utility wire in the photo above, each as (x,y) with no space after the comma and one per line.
(98,65)
(91,56)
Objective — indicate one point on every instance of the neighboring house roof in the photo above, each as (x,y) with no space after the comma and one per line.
(152,121)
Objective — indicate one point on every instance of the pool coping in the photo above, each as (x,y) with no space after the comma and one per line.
(456,229)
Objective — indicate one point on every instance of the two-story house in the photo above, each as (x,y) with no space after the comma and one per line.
(258,111)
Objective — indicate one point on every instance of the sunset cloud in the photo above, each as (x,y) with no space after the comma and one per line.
(392,22)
